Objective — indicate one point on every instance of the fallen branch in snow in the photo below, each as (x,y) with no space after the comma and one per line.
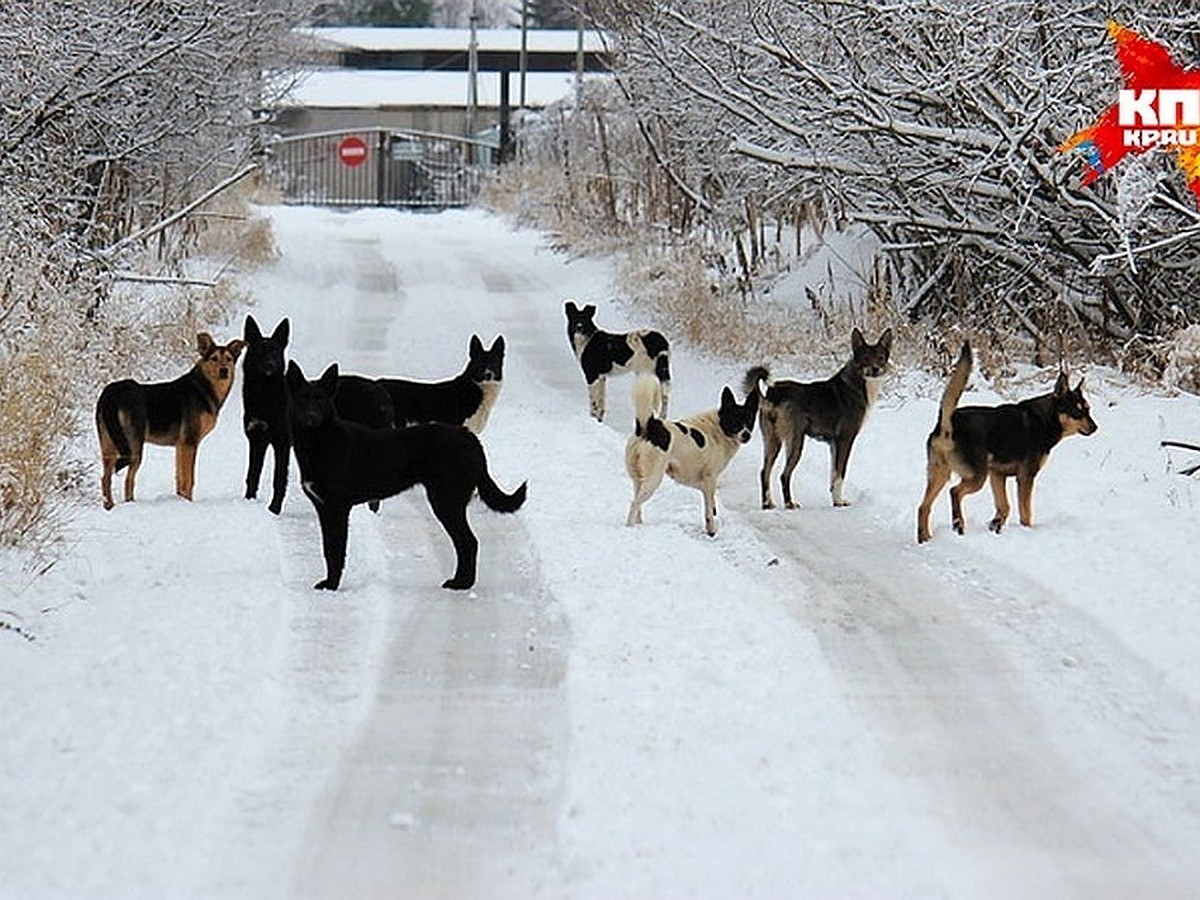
(16,629)
(1190,470)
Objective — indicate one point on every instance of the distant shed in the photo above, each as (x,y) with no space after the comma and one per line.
(418,78)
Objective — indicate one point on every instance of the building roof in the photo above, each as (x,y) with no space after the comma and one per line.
(538,40)
(391,88)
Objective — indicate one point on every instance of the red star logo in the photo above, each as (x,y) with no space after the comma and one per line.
(1146,68)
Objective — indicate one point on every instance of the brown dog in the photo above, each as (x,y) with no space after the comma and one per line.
(995,443)
(175,414)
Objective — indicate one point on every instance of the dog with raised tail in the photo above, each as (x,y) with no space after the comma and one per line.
(995,443)
(693,451)
(832,410)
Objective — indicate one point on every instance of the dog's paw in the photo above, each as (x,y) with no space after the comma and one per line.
(792,504)
(327,584)
(958,527)
(458,584)
(841,503)
(996,525)
(275,507)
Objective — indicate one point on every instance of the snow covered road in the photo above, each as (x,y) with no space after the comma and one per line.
(807,705)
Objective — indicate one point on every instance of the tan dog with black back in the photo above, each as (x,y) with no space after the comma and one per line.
(995,443)
(175,414)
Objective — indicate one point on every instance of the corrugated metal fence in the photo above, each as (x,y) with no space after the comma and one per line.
(379,167)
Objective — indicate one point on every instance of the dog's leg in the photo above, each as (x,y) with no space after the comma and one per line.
(936,476)
(795,447)
(110,464)
(839,460)
(135,463)
(646,476)
(335,528)
(665,384)
(185,469)
(709,490)
(257,439)
(771,446)
(1025,496)
(963,488)
(1000,496)
(281,449)
(451,511)
(596,398)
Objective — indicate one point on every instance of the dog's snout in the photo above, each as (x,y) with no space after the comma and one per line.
(223,372)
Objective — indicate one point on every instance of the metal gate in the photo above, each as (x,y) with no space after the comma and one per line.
(379,167)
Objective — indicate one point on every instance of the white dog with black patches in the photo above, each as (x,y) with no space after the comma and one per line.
(603,353)
(693,451)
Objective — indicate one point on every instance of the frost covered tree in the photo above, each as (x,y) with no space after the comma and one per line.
(935,123)
(115,117)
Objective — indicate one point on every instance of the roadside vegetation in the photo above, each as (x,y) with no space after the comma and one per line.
(126,157)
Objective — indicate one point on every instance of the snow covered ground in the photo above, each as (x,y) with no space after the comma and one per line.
(808,705)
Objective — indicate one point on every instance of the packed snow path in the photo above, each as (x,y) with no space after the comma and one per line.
(807,705)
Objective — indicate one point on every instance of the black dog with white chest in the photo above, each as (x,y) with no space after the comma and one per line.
(343,464)
(466,399)
(603,353)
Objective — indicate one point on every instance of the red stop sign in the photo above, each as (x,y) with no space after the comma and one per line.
(352,150)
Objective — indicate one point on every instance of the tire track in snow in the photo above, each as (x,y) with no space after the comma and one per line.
(452,783)
(944,691)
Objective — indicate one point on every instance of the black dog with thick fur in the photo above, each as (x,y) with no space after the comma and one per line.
(264,406)
(343,464)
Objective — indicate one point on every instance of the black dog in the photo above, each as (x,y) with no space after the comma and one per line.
(602,353)
(264,406)
(832,410)
(343,464)
(466,399)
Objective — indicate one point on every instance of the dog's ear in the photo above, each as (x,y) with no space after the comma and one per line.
(751,404)
(329,379)
(885,341)
(282,332)
(589,310)
(727,398)
(571,308)
(251,330)
(857,341)
(1062,385)
(295,376)
(205,343)
(476,348)
(1079,387)
(498,344)
(235,347)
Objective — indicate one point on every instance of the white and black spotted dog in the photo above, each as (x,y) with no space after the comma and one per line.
(693,451)
(603,353)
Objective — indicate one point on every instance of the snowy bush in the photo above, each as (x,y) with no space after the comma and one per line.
(936,124)
(119,124)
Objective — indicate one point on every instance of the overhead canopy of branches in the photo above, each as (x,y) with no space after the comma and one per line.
(936,123)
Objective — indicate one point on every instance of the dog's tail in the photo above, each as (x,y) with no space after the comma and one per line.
(755,377)
(647,407)
(955,387)
(647,400)
(108,417)
(490,493)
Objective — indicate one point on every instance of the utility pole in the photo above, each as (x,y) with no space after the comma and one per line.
(472,72)
(578,53)
(523,63)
